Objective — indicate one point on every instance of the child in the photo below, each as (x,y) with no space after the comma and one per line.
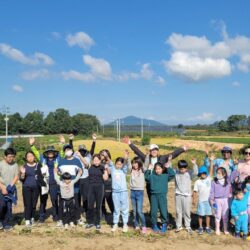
(67,201)
(239,212)
(137,184)
(97,175)
(158,180)
(247,188)
(219,198)
(120,191)
(31,176)
(202,188)
(106,158)
(183,194)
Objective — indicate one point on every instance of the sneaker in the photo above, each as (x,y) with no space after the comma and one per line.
(244,237)
(189,230)
(200,230)
(88,226)
(27,224)
(1,225)
(98,227)
(114,228)
(178,229)
(59,224)
(125,229)
(208,230)
(32,221)
(72,225)
(226,233)
(66,226)
(237,235)
(164,228)
(7,228)
(144,230)
(155,228)
(137,228)
(80,223)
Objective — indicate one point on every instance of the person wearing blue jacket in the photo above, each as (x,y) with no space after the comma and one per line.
(226,161)
(120,192)
(158,180)
(239,212)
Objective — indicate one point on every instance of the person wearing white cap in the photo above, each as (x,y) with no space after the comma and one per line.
(154,155)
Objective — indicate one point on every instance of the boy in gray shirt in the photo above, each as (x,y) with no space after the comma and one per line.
(67,201)
(8,179)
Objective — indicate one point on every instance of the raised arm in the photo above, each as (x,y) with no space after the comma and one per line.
(194,171)
(175,153)
(34,149)
(136,150)
(92,150)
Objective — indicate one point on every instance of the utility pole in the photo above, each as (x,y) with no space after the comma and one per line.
(141,128)
(7,111)
(117,129)
(119,122)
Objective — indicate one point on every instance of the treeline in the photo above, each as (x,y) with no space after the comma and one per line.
(233,123)
(57,122)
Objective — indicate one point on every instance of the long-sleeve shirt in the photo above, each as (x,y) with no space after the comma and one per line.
(161,158)
(67,190)
(119,183)
(159,183)
(137,177)
(239,207)
(219,191)
(183,182)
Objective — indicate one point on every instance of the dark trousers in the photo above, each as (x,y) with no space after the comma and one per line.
(95,196)
(148,191)
(107,198)
(68,210)
(159,202)
(54,197)
(30,197)
(84,189)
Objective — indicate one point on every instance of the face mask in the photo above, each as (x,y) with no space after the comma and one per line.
(219,177)
(248,187)
(69,153)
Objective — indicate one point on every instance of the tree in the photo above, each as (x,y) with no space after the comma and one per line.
(85,124)
(236,122)
(33,122)
(15,123)
(222,126)
(58,122)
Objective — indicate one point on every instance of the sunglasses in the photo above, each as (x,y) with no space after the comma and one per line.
(246,153)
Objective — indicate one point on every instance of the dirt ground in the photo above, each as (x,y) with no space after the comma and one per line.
(46,236)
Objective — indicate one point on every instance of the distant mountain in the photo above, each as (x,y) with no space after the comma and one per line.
(136,121)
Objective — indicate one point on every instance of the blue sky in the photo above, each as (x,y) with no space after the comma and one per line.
(173,61)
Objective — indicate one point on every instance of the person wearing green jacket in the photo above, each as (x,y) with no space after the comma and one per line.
(158,179)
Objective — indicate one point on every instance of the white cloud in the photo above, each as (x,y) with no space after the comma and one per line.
(194,68)
(160,80)
(18,56)
(17,88)
(236,84)
(98,66)
(197,58)
(146,71)
(204,117)
(35,74)
(75,75)
(56,35)
(81,39)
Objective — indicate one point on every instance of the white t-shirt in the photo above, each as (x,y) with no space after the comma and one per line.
(202,187)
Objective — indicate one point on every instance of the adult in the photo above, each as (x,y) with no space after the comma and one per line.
(154,156)
(49,159)
(8,179)
(71,165)
(243,168)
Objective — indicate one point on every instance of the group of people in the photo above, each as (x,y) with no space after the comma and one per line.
(81,183)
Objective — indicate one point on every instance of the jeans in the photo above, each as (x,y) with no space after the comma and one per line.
(121,205)
(137,204)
